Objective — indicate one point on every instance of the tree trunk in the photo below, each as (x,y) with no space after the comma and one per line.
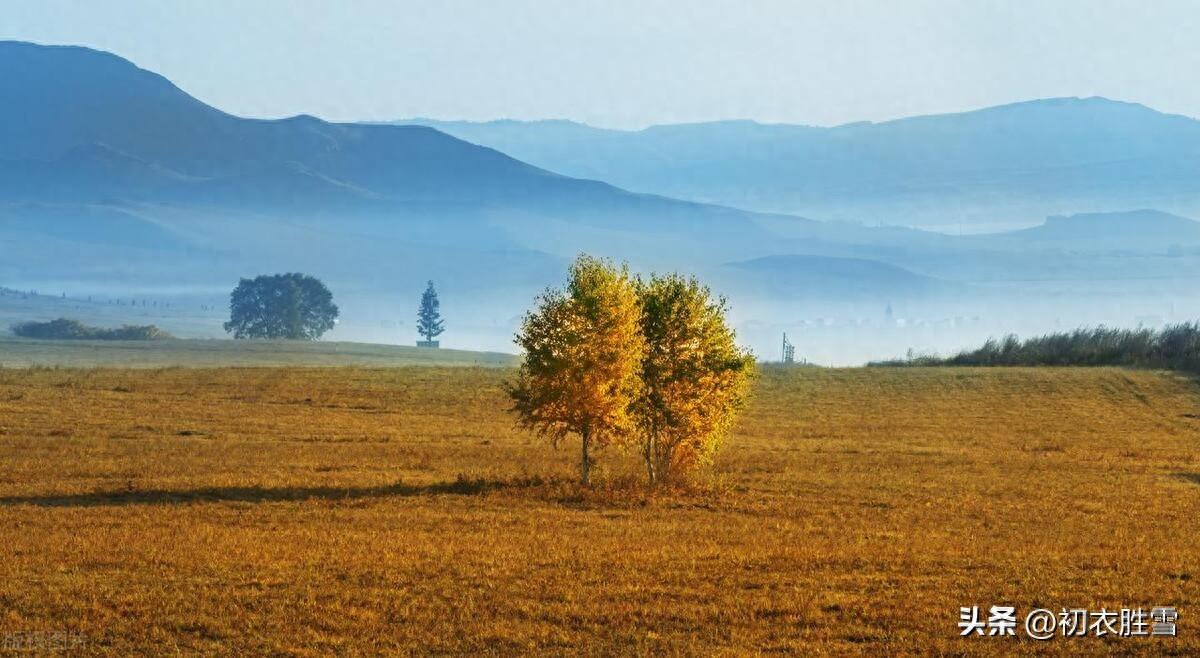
(585,461)
(663,470)
(650,450)
(295,327)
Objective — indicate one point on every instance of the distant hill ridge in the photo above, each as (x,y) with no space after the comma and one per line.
(88,138)
(1129,230)
(1003,164)
(94,114)
(90,123)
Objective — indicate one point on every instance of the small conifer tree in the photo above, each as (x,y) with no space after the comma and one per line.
(429,317)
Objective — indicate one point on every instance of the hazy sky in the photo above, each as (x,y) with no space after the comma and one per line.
(632,63)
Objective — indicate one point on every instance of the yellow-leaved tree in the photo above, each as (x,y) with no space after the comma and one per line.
(694,377)
(583,349)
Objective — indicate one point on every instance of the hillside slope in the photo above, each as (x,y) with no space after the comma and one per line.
(82,129)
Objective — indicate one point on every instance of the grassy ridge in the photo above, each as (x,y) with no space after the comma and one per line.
(18,352)
(363,511)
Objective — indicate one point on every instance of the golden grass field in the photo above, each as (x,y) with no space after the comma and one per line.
(357,511)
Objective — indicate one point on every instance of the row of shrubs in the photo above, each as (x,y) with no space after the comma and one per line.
(65,329)
(1175,347)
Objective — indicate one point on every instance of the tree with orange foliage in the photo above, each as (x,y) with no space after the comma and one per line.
(694,376)
(583,348)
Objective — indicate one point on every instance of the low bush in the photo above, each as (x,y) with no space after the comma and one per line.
(1175,347)
(65,329)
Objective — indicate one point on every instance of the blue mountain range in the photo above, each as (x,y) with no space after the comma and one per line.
(107,169)
(1000,166)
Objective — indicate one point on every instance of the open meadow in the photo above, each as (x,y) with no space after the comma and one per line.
(23,352)
(316,511)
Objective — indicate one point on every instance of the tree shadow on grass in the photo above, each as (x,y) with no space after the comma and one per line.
(1194,478)
(256,494)
(616,494)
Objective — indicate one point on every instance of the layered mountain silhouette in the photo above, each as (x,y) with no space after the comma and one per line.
(1006,165)
(1129,231)
(84,127)
(98,119)
(108,171)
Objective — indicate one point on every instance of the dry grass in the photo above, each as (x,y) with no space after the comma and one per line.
(309,512)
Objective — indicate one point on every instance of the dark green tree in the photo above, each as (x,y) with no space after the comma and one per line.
(294,306)
(429,319)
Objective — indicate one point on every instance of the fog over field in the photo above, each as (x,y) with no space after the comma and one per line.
(827,332)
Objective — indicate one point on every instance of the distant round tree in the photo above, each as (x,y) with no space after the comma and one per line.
(429,317)
(294,306)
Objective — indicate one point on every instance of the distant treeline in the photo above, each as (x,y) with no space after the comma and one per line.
(64,329)
(1175,347)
